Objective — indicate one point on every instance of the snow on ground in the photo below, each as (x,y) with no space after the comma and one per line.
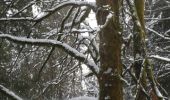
(84,98)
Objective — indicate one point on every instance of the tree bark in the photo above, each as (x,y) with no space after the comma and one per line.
(139,47)
(110,85)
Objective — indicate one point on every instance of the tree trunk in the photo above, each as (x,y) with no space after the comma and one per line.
(140,52)
(139,48)
(110,84)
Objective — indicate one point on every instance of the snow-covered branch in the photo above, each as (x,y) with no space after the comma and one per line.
(159,9)
(160,58)
(74,3)
(9,93)
(156,33)
(49,42)
(159,19)
(17,19)
(51,11)
(64,4)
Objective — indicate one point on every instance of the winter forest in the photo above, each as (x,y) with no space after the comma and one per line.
(84,49)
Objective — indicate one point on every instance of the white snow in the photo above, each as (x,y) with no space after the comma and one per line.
(158,93)
(109,18)
(41,15)
(91,0)
(107,98)
(160,58)
(36,10)
(12,94)
(92,20)
(17,19)
(84,98)
(109,70)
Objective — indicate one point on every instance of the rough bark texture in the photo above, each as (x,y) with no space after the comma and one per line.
(110,53)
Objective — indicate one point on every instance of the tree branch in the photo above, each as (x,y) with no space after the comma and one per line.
(156,33)
(51,11)
(9,93)
(49,42)
(160,58)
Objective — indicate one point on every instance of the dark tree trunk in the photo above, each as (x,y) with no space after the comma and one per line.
(110,52)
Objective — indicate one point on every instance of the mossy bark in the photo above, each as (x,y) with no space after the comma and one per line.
(139,47)
(140,51)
